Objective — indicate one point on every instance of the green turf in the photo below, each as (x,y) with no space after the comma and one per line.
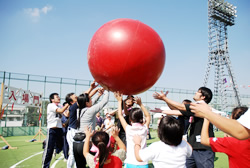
(25,149)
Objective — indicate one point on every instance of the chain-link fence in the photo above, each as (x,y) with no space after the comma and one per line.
(21,116)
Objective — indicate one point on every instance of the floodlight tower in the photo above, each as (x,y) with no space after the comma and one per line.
(220,15)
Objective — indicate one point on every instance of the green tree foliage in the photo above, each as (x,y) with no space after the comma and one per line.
(33,114)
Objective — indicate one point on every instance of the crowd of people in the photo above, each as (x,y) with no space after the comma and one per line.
(186,137)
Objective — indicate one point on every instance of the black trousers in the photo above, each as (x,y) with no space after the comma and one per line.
(78,154)
(54,137)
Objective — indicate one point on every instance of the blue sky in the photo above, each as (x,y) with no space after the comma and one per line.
(46,37)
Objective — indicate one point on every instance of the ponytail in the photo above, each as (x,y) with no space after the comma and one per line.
(103,155)
(81,100)
(101,141)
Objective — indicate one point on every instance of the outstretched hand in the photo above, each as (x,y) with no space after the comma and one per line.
(115,132)
(200,109)
(137,100)
(100,91)
(118,96)
(89,132)
(160,96)
(156,110)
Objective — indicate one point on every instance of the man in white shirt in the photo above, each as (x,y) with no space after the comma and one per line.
(54,128)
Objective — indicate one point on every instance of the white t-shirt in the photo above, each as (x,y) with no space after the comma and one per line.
(163,155)
(52,119)
(108,123)
(244,119)
(135,129)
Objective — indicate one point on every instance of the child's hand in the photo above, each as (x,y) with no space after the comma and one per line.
(115,132)
(137,139)
(160,96)
(137,100)
(118,96)
(89,132)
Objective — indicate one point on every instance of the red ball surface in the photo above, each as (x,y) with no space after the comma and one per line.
(126,55)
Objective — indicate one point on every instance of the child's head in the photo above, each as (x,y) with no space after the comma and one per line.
(101,141)
(136,115)
(170,131)
(238,111)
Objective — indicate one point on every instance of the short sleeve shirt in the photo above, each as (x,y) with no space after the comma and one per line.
(53,120)
(238,151)
(163,155)
(135,129)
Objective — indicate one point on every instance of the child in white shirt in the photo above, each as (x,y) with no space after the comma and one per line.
(136,128)
(171,151)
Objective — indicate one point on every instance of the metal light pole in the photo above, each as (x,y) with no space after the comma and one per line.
(220,15)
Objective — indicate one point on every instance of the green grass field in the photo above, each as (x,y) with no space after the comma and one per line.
(26,149)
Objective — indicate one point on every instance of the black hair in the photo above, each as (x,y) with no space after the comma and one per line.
(136,115)
(129,97)
(101,139)
(207,93)
(82,99)
(64,103)
(51,96)
(170,131)
(238,111)
(187,101)
(68,98)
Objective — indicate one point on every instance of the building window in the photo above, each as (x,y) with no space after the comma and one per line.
(11,119)
(18,118)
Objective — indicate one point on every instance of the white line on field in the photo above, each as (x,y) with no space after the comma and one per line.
(25,159)
(54,164)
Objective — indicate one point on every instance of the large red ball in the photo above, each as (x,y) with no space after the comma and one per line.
(126,55)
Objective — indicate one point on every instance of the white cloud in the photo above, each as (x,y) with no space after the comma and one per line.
(46,9)
(35,13)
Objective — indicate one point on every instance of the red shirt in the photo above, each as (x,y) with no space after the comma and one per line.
(238,151)
(112,161)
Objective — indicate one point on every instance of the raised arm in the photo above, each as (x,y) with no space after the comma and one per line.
(93,85)
(115,133)
(118,97)
(89,134)
(61,110)
(100,93)
(145,111)
(93,92)
(204,133)
(229,126)
(168,112)
(172,104)
(98,106)
(113,112)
